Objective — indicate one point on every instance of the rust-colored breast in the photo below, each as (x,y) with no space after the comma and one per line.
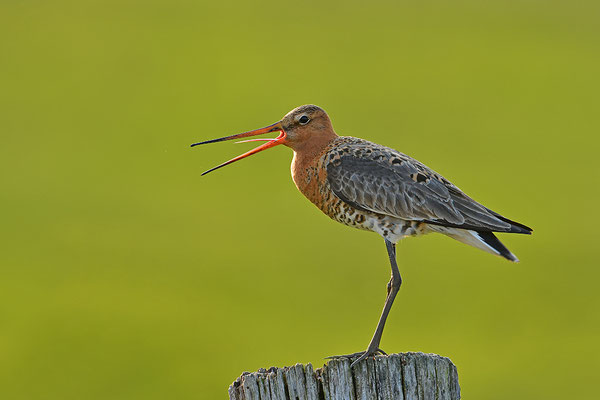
(310,176)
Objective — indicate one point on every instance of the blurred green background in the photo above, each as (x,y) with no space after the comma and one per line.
(125,275)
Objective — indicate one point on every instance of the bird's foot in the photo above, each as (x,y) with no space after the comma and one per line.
(361,355)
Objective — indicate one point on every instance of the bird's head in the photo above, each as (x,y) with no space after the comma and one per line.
(303,128)
(306,125)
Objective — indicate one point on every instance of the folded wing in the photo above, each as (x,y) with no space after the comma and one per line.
(384,181)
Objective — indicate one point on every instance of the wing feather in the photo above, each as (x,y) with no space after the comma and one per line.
(375,178)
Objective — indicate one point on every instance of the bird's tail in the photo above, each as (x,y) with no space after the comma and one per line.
(485,241)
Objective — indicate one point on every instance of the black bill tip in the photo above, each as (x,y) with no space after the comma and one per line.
(209,141)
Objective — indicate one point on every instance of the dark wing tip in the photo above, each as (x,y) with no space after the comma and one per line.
(516,227)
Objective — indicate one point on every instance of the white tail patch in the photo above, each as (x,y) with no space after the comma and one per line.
(472,238)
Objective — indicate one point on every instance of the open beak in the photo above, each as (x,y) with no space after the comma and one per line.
(270,142)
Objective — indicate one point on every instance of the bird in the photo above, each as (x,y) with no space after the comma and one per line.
(376,188)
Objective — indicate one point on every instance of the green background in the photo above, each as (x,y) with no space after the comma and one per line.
(125,275)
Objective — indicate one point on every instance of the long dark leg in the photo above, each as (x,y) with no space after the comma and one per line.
(392,289)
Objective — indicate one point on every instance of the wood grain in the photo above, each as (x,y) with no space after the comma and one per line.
(404,376)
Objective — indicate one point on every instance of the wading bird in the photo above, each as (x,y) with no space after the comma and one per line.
(376,188)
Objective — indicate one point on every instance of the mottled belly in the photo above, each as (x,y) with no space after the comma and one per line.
(392,229)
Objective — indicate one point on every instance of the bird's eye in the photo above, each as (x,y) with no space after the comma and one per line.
(304,120)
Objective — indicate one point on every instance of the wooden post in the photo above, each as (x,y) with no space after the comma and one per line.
(404,376)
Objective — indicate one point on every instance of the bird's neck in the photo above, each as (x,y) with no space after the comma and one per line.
(306,152)
(309,147)
(305,165)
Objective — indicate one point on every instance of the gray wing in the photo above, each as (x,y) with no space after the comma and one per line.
(384,181)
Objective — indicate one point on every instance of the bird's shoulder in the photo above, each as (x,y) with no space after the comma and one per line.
(359,156)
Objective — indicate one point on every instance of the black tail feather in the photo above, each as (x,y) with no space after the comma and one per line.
(491,240)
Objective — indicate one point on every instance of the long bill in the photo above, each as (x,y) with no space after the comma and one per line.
(276,127)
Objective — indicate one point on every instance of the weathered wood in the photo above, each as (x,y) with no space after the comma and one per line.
(404,376)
